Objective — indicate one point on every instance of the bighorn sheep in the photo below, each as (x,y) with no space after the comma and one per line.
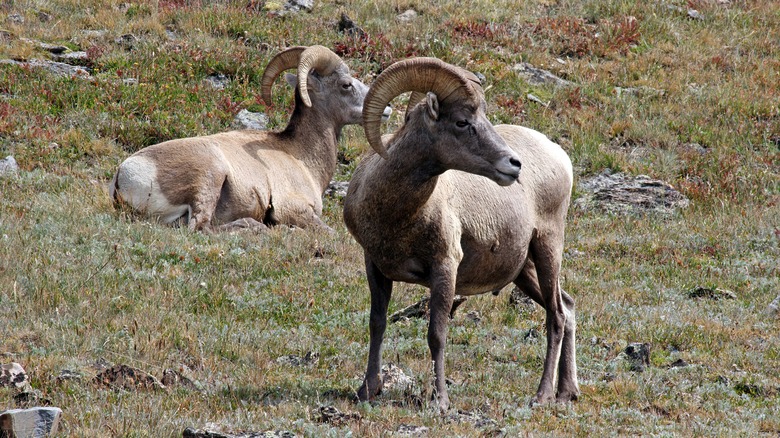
(252,178)
(456,232)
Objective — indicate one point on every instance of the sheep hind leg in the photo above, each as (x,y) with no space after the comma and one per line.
(381,288)
(539,280)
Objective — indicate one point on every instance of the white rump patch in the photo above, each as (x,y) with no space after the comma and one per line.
(138,187)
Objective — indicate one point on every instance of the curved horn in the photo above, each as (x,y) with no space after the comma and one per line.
(416,74)
(319,59)
(284,60)
(417,96)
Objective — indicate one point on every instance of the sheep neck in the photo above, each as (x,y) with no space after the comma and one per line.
(313,138)
(406,180)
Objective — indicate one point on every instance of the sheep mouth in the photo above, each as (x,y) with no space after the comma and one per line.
(506,178)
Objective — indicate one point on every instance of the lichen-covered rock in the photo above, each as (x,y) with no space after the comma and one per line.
(624,194)
(13,375)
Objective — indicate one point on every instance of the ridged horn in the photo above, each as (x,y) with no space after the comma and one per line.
(284,60)
(319,59)
(417,97)
(416,74)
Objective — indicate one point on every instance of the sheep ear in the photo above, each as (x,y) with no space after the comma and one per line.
(432,105)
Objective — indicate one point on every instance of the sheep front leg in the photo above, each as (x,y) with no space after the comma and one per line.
(381,288)
(442,296)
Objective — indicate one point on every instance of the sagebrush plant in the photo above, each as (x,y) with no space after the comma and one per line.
(82,282)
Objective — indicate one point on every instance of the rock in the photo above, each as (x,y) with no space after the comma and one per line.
(695,15)
(773,309)
(520,300)
(13,375)
(474,316)
(535,99)
(78,58)
(127,378)
(641,91)
(31,398)
(346,25)
(311,358)
(57,68)
(66,375)
(478,420)
(407,16)
(623,194)
(538,76)
(394,378)
(218,81)
(128,41)
(289,7)
(8,165)
(44,17)
(411,430)
(35,422)
(246,119)
(299,5)
(679,363)
(15,19)
(208,433)
(331,415)
(172,378)
(638,356)
(713,293)
(337,189)
(6,36)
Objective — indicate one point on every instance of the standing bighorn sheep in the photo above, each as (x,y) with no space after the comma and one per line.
(425,211)
(252,178)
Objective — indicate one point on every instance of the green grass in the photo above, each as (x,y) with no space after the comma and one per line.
(82,282)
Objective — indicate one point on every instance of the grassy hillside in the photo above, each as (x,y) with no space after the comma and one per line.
(82,284)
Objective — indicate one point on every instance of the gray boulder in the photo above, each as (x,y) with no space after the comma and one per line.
(624,194)
(30,423)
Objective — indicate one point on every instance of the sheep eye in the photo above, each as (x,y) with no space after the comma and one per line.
(462,123)
(347,86)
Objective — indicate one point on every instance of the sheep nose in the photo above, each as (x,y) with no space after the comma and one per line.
(515,162)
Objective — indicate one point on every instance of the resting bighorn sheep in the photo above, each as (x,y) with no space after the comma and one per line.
(457,232)
(252,178)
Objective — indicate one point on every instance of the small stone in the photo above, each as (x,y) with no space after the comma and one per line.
(713,293)
(309,359)
(8,165)
(695,15)
(34,422)
(66,375)
(394,378)
(679,363)
(331,415)
(407,16)
(218,81)
(638,355)
(348,26)
(246,119)
(128,41)
(15,19)
(411,430)
(337,189)
(474,316)
(13,374)
(44,17)
(535,99)
(173,378)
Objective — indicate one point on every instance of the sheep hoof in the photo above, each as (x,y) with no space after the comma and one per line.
(567,396)
(541,399)
(367,392)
